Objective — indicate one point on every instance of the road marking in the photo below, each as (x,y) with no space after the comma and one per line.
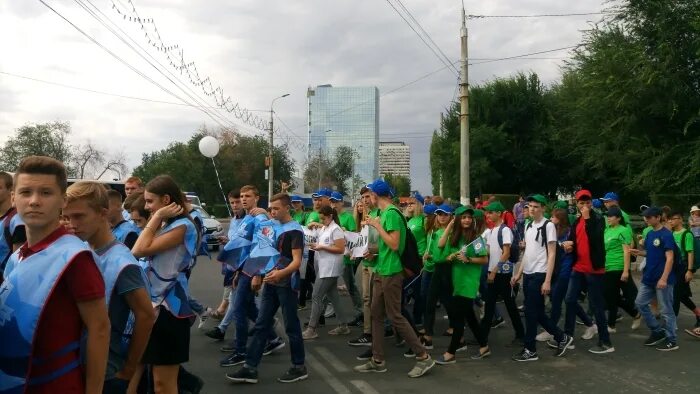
(332,381)
(332,359)
(364,387)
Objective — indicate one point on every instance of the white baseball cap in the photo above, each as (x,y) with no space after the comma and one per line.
(694,208)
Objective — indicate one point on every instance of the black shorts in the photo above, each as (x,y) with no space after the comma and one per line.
(169,343)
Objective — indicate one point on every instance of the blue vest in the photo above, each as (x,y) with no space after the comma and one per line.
(125,215)
(166,271)
(237,250)
(202,248)
(27,287)
(111,263)
(8,225)
(265,254)
(121,230)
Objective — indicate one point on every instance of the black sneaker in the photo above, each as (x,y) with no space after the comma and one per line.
(358,321)
(294,374)
(427,343)
(232,360)
(667,347)
(230,348)
(526,355)
(364,356)
(363,340)
(563,345)
(388,333)
(273,345)
(498,322)
(655,338)
(602,348)
(215,333)
(243,375)
(409,353)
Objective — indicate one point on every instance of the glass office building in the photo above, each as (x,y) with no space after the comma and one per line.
(346,116)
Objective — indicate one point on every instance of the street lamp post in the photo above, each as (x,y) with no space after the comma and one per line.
(320,161)
(270,173)
(355,157)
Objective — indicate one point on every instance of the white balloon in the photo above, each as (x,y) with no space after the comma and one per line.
(209,146)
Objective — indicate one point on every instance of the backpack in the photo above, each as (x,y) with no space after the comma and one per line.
(542,231)
(514,246)
(680,264)
(696,253)
(410,260)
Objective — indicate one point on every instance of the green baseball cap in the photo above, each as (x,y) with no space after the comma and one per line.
(464,209)
(478,213)
(561,204)
(495,206)
(537,198)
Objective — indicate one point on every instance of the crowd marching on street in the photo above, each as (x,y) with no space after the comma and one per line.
(95,295)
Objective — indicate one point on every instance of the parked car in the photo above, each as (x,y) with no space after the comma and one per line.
(214,228)
(193,199)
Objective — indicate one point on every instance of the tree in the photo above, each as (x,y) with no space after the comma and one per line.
(42,139)
(331,172)
(91,162)
(400,183)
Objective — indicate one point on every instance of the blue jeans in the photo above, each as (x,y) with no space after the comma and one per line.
(421,299)
(596,300)
(534,311)
(244,308)
(664,298)
(559,289)
(273,298)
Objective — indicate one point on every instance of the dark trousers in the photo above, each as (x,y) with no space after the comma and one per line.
(501,287)
(243,309)
(595,299)
(306,285)
(440,288)
(534,311)
(274,298)
(463,308)
(682,294)
(115,386)
(613,286)
(559,288)
(422,298)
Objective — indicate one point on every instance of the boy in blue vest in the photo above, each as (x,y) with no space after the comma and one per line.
(41,329)
(12,233)
(129,304)
(124,230)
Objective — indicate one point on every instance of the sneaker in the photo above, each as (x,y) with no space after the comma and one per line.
(479,355)
(447,333)
(204,317)
(564,345)
(421,367)
(294,374)
(612,330)
(273,345)
(409,354)
(371,366)
(619,317)
(544,336)
(498,322)
(462,347)
(329,312)
(399,341)
(243,375)
(388,333)
(364,356)
(602,349)
(554,345)
(340,330)
(302,307)
(359,321)
(215,333)
(309,333)
(637,321)
(363,340)
(230,348)
(580,322)
(445,361)
(590,332)
(232,360)
(655,338)
(526,355)
(427,343)
(667,347)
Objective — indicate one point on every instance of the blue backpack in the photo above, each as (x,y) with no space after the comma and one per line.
(514,246)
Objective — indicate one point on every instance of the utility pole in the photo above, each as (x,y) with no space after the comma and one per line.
(270,150)
(464,192)
(320,165)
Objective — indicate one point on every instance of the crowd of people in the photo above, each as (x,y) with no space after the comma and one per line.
(95,295)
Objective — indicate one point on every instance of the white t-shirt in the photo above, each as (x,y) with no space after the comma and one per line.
(329,265)
(495,252)
(535,257)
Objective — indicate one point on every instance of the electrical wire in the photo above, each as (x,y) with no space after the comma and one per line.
(539,15)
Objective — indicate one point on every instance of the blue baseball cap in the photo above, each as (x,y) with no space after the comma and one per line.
(296,198)
(336,196)
(652,211)
(429,209)
(419,198)
(444,208)
(381,188)
(321,193)
(610,196)
(597,203)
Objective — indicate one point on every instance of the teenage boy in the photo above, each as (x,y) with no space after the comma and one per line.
(125,231)
(279,292)
(223,312)
(131,314)
(658,279)
(610,200)
(41,329)
(536,269)
(587,243)
(387,285)
(684,271)
(500,272)
(133,185)
(12,234)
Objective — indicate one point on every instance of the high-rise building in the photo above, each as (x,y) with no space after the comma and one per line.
(394,159)
(346,116)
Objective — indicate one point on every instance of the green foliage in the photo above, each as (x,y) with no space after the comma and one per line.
(333,172)
(42,139)
(400,183)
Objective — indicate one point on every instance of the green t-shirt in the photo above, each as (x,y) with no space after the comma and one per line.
(371,263)
(389,261)
(312,217)
(615,238)
(625,216)
(646,231)
(466,277)
(438,255)
(688,247)
(299,217)
(417,226)
(347,223)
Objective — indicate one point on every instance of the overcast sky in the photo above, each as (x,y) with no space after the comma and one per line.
(257,50)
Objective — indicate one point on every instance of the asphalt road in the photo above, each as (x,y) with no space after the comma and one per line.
(632,368)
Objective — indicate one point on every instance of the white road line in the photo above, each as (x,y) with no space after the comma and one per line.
(364,387)
(332,359)
(332,381)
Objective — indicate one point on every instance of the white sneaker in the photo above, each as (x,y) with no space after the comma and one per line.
(590,332)
(636,322)
(329,312)
(612,330)
(340,330)
(544,336)
(309,333)
(204,317)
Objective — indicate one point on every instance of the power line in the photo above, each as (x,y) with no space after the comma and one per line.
(523,55)
(539,15)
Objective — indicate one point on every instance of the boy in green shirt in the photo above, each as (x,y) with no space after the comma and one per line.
(347,223)
(681,292)
(387,285)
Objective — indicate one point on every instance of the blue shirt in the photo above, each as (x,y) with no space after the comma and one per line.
(656,244)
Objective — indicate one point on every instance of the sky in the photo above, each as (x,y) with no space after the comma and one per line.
(258,50)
